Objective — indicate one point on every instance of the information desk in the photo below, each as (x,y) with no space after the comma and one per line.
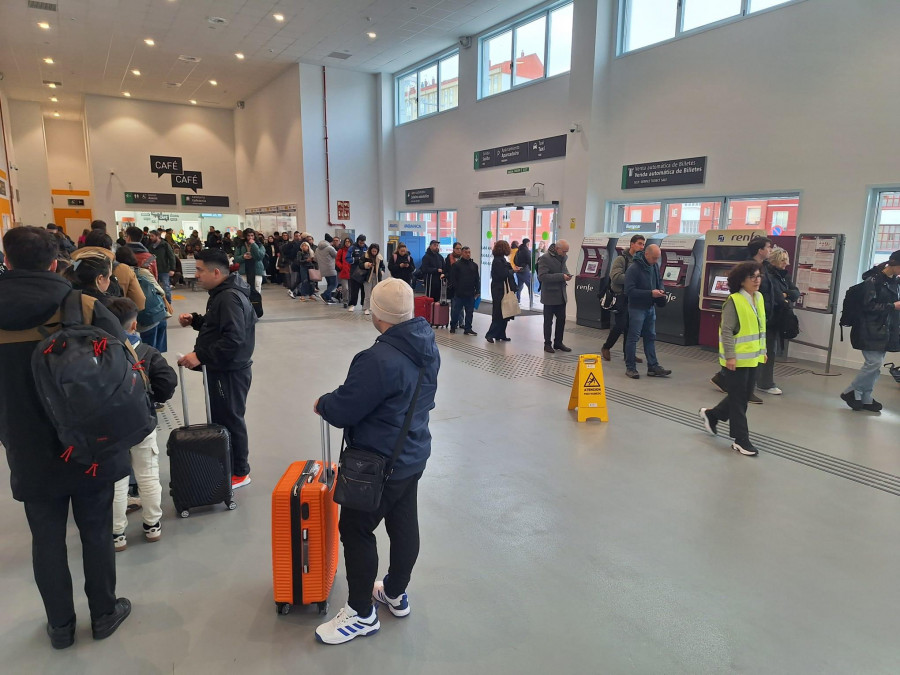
(597,252)
(678,322)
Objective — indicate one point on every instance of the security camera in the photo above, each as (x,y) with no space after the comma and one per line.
(574,127)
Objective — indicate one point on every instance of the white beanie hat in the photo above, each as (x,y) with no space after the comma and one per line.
(392,301)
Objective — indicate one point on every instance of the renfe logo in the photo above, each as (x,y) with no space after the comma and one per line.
(720,237)
(584,287)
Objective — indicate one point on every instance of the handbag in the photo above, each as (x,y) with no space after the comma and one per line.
(360,275)
(362,473)
(788,324)
(509,305)
(314,274)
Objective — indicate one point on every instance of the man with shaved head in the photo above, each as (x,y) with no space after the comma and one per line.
(644,288)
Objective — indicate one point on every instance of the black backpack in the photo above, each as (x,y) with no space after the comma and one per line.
(852,308)
(94,390)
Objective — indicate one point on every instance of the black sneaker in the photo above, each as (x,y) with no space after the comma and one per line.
(452,331)
(874,406)
(658,371)
(105,626)
(745,448)
(718,382)
(851,400)
(633,374)
(755,399)
(470,332)
(562,348)
(62,637)
(710,424)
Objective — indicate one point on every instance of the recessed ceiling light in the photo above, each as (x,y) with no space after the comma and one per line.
(193,102)
(213,82)
(126,94)
(54,99)
(372,35)
(135,72)
(56,114)
(149,42)
(278,17)
(48,61)
(44,25)
(52,85)
(239,56)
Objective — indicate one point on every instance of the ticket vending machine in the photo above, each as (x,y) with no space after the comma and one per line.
(597,252)
(724,249)
(678,322)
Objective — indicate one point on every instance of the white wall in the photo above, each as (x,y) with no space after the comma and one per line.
(122,134)
(66,155)
(27,133)
(353,149)
(269,144)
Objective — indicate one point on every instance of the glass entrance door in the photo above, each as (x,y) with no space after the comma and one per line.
(513,224)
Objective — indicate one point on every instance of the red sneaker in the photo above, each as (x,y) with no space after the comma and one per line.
(240,481)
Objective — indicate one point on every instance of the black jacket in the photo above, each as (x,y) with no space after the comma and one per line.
(27,300)
(464,279)
(523,260)
(227,332)
(398,272)
(431,262)
(641,280)
(165,256)
(879,328)
(501,275)
(163,379)
(780,285)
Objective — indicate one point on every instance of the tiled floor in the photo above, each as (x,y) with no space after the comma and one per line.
(636,546)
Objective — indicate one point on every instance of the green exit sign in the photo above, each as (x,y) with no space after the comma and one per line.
(521,169)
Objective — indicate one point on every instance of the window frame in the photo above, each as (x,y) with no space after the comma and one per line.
(725,210)
(416,71)
(512,26)
(436,213)
(745,13)
(867,254)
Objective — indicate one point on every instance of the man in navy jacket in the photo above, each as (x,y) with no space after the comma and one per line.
(371,406)
(644,289)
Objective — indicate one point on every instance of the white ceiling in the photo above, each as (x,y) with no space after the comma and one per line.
(96,43)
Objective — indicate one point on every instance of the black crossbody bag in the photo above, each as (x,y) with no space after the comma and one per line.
(362,473)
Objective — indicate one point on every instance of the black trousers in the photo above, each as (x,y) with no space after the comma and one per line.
(228,391)
(558,311)
(47,519)
(739,383)
(399,510)
(620,328)
(356,290)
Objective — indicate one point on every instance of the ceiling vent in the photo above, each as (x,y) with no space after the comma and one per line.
(46,6)
(172,85)
(217,20)
(53,82)
(494,194)
(189,59)
(339,55)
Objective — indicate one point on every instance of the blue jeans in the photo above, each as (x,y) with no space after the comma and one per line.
(864,383)
(165,282)
(641,324)
(157,337)
(331,284)
(456,308)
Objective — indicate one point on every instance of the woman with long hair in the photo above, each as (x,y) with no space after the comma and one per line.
(502,279)
(373,264)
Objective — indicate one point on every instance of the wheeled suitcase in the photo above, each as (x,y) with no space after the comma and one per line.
(440,311)
(199,460)
(305,532)
(422,307)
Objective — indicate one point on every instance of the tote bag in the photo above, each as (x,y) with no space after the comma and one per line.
(509,305)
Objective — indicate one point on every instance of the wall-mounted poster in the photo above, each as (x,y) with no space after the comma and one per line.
(817,264)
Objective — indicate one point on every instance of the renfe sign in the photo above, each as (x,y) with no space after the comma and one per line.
(188,179)
(162,164)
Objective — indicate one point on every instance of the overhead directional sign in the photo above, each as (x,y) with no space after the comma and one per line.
(150,198)
(689,171)
(420,196)
(161,164)
(205,200)
(517,153)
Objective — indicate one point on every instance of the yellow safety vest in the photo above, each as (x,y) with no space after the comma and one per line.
(750,340)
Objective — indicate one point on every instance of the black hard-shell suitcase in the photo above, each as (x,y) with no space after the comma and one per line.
(199,460)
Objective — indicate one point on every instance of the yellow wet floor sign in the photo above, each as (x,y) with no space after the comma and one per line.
(588,391)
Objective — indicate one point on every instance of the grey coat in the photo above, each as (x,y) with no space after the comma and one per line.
(551,271)
(325,257)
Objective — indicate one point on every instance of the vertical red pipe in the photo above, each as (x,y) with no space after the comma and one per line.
(327,169)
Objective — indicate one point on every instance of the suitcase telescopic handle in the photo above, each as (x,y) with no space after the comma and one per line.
(184,403)
(326,450)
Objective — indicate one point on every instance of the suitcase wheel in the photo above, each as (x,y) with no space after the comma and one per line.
(323,607)
(283,607)
(185,513)
(231,505)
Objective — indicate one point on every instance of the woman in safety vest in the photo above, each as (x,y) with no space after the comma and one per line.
(742,347)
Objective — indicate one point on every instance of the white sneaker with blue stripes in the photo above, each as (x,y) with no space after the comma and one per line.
(346,626)
(398,606)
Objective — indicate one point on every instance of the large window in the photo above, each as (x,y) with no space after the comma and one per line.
(532,49)
(647,22)
(887,226)
(776,214)
(440,225)
(431,88)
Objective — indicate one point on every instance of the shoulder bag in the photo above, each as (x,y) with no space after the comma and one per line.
(362,473)
(509,304)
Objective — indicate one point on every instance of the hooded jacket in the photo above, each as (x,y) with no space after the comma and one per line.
(165,256)
(879,328)
(551,271)
(27,300)
(257,253)
(326,257)
(372,403)
(145,259)
(227,332)
(131,289)
(405,273)
(641,280)
(341,263)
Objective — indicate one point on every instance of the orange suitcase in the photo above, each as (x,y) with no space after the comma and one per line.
(305,532)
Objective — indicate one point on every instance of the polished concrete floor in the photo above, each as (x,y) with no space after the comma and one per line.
(548,546)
